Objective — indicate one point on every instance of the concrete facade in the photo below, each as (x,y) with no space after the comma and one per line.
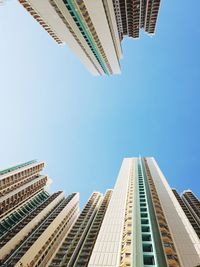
(94,29)
(140,223)
(186,240)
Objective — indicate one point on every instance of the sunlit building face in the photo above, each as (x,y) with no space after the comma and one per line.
(94,30)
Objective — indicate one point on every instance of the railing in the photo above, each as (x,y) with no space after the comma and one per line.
(25,244)
(8,223)
(76,233)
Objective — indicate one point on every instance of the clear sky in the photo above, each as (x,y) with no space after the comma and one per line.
(82,126)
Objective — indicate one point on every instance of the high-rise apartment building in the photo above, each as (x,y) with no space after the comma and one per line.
(32,222)
(191,206)
(142,222)
(94,29)
(193,203)
(77,247)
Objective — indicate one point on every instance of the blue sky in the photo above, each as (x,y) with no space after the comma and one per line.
(52,109)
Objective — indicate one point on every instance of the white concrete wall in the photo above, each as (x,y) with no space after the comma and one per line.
(107,249)
(110,6)
(75,28)
(50,16)
(186,241)
(99,20)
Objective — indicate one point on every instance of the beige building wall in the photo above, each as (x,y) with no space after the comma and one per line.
(107,249)
(23,187)
(103,21)
(98,16)
(184,236)
(39,243)
(75,28)
(47,12)
(113,25)
(10,245)
(40,165)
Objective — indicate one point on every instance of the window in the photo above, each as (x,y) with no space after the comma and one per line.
(143,209)
(145,229)
(149,260)
(144,221)
(144,215)
(147,247)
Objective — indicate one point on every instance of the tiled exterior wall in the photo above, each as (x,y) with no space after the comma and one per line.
(107,250)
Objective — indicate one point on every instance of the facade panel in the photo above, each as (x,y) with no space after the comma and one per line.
(107,248)
(185,238)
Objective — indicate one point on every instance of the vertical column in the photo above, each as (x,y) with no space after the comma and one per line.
(70,247)
(127,241)
(144,245)
(85,251)
(185,239)
(107,249)
(166,251)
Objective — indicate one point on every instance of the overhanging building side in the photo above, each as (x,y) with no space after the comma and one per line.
(94,29)
(83,26)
